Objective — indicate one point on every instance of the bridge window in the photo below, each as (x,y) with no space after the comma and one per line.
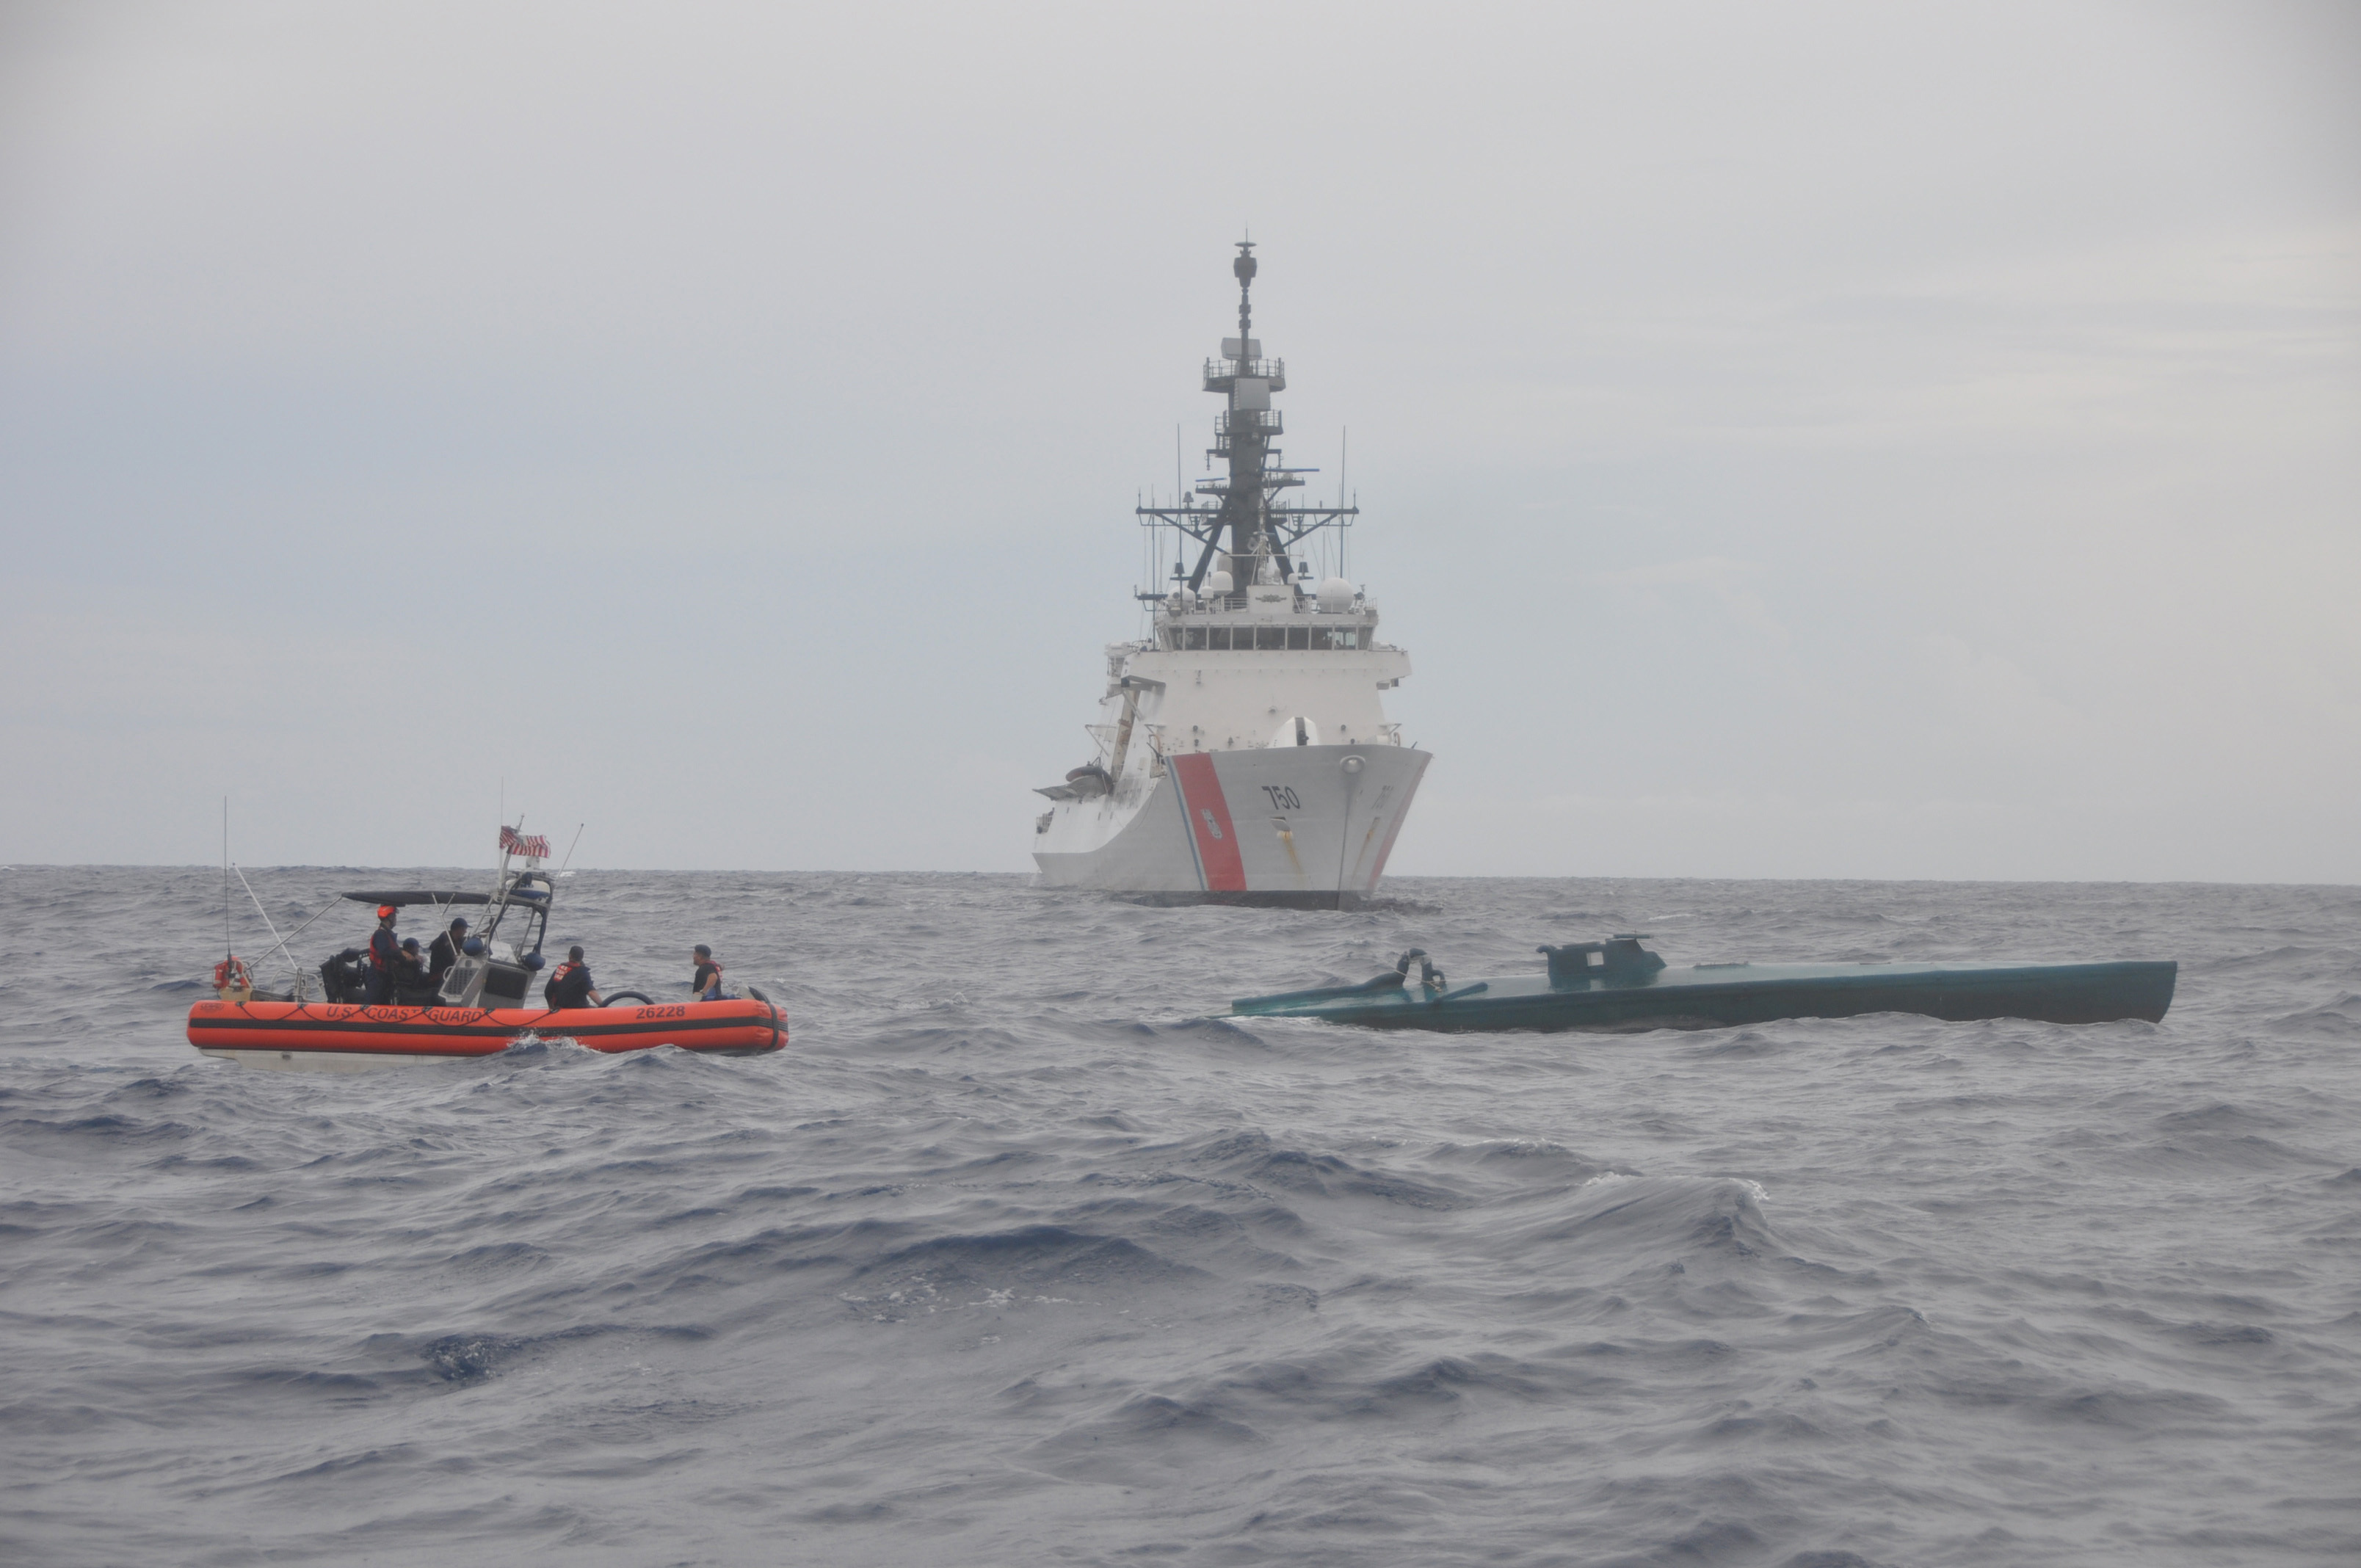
(1266,638)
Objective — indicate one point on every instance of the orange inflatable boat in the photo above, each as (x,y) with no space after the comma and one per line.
(334,1034)
(466,997)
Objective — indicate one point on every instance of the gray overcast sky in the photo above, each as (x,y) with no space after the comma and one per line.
(1794,439)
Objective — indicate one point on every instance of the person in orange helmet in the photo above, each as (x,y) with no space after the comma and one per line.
(385,957)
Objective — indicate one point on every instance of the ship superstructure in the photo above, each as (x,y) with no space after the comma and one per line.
(1243,753)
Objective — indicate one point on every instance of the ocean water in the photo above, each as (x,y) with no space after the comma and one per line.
(1013,1257)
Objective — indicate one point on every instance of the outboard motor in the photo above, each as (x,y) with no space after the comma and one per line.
(345,978)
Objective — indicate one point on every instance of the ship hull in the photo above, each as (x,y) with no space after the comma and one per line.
(342,1037)
(1294,826)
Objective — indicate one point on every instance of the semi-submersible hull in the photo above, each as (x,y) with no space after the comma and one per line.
(1619,987)
(1242,751)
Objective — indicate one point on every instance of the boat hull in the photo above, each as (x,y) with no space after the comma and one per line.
(1277,824)
(336,1036)
(1724,995)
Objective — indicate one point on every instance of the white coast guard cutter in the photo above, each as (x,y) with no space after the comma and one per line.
(1244,755)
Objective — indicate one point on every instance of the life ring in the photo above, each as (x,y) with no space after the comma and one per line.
(232,982)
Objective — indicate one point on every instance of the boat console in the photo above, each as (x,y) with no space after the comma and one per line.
(481,980)
(484,982)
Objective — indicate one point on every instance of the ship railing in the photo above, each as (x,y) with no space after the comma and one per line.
(1221,373)
(1264,419)
(1305,602)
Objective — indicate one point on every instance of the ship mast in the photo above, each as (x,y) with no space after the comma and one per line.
(1244,503)
(1248,426)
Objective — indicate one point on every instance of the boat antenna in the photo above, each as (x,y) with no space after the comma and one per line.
(278,943)
(228,950)
(1343,450)
(1244,269)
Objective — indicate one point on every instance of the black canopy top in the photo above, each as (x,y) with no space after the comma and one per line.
(402,900)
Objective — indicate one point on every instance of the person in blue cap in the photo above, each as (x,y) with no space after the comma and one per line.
(446,949)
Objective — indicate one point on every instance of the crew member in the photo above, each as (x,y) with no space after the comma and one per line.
(385,958)
(707,984)
(446,950)
(412,968)
(569,985)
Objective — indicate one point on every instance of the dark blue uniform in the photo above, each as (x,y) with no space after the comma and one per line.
(385,962)
(569,987)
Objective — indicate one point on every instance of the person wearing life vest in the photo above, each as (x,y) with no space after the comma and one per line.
(707,984)
(384,956)
(569,985)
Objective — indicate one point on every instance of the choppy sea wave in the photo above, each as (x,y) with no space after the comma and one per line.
(1016,1256)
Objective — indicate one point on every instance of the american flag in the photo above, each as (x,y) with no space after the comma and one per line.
(532,846)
